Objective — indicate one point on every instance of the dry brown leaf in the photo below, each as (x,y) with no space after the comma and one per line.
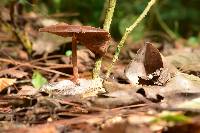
(191,68)
(188,62)
(49,43)
(184,58)
(5,82)
(118,98)
(85,60)
(181,88)
(13,73)
(27,90)
(6,37)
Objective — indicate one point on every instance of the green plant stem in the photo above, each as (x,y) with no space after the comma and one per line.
(127,32)
(97,68)
(106,26)
(109,14)
(164,26)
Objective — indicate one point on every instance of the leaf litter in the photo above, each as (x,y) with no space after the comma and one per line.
(151,85)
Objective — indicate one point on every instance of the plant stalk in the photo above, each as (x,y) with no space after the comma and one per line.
(127,32)
(106,26)
(164,26)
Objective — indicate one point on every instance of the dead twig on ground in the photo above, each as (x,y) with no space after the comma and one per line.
(27,64)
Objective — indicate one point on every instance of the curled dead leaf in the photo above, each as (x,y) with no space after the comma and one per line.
(5,82)
(149,67)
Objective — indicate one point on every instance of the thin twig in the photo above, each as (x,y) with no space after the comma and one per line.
(33,66)
(49,57)
(53,65)
(127,32)
(164,26)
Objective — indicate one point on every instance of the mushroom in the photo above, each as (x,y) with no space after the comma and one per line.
(95,39)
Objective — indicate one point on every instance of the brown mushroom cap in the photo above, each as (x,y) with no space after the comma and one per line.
(95,39)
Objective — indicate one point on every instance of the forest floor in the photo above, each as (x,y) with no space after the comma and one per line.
(156,89)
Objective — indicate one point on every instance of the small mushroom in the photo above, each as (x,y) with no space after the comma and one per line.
(95,39)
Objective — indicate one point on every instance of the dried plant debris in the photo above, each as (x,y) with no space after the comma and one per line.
(177,88)
(117,99)
(184,58)
(85,60)
(85,88)
(187,62)
(145,123)
(95,39)
(27,91)
(180,89)
(164,82)
(149,67)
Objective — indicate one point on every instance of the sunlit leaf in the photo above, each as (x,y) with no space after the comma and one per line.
(23,2)
(68,53)
(193,41)
(171,117)
(38,80)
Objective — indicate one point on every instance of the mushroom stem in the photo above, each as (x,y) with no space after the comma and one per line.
(74,58)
